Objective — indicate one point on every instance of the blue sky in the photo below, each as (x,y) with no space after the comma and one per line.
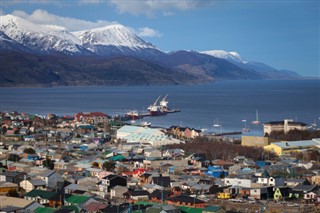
(283,34)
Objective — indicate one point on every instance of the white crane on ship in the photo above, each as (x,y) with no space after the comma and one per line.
(164,102)
(154,104)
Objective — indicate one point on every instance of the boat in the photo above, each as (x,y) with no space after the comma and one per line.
(256,122)
(145,124)
(216,123)
(162,108)
(245,128)
(132,115)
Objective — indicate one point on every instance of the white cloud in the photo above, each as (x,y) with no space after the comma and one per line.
(150,7)
(91,1)
(72,24)
(147,32)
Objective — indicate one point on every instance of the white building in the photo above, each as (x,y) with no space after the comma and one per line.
(154,137)
(283,126)
(237,182)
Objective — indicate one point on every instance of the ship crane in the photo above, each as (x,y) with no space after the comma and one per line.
(154,104)
(164,102)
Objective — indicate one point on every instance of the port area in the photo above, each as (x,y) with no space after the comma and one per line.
(147,114)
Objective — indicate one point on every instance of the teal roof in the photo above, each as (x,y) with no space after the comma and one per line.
(147,136)
(212,208)
(117,158)
(130,129)
(43,194)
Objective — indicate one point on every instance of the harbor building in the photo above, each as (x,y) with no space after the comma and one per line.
(91,117)
(283,126)
(281,148)
(256,141)
(154,137)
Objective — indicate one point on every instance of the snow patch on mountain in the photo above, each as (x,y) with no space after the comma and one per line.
(39,37)
(230,56)
(112,35)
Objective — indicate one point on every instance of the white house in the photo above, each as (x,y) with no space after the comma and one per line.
(29,185)
(270,181)
(152,152)
(237,182)
(118,191)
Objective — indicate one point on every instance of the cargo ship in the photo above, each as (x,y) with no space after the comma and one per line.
(162,108)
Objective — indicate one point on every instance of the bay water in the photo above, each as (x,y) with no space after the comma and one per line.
(227,103)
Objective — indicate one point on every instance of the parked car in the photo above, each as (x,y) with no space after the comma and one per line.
(293,204)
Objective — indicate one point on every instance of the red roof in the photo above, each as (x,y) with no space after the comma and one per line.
(95,206)
(139,171)
(127,173)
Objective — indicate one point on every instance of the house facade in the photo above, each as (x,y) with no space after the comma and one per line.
(283,126)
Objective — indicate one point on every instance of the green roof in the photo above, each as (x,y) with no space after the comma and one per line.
(44,210)
(212,208)
(145,203)
(43,194)
(77,199)
(186,209)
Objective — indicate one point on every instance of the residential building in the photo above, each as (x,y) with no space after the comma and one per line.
(118,191)
(44,197)
(29,185)
(18,204)
(5,187)
(110,181)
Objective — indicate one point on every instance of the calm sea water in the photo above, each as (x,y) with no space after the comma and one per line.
(225,102)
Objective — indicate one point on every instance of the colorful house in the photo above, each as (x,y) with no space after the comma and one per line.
(281,193)
(216,171)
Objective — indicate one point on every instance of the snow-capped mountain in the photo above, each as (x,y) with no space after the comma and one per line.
(115,35)
(40,38)
(9,44)
(266,70)
(46,39)
(114,40)
(230,56)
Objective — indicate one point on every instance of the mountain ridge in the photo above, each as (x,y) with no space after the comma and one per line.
(31,45)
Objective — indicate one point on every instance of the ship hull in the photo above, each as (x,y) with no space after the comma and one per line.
(157,113)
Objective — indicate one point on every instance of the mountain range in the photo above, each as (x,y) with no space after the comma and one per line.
(47,55)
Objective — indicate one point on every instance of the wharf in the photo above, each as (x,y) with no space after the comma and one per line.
(144,114)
